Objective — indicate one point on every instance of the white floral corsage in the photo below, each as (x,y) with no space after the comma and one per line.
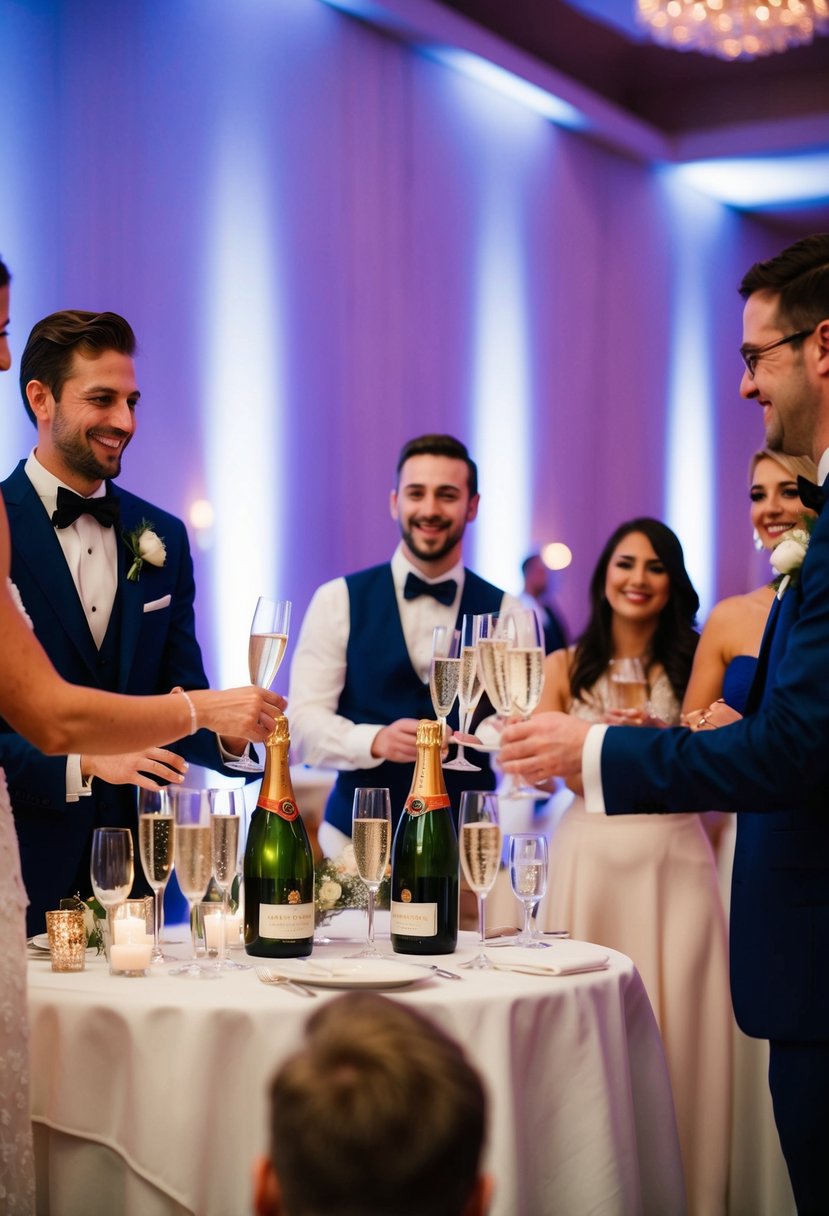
(787,557)
(145,545)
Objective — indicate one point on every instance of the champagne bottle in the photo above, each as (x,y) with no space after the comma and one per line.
(424,871)
(279,868)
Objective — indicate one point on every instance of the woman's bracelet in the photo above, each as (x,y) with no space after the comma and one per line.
(194,721)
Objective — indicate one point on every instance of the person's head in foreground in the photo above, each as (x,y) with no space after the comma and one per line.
(378,1114)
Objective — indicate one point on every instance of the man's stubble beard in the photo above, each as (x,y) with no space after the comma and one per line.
(80,458)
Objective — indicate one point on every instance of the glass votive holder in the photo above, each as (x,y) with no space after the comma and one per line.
(67,939)
(131,945)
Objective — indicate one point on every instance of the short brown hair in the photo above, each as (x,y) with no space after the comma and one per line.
(52,344)
(800,276)
(440,445)
(378,1113)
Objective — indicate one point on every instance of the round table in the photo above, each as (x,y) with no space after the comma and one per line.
(149,1094)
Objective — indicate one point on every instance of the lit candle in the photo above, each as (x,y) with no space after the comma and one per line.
(129,930)
(132,956)
(212,930)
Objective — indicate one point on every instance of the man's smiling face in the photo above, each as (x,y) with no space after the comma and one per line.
(82,436)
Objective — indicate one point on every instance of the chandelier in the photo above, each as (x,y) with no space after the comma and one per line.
(733,29)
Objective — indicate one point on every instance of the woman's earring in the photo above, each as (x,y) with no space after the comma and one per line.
(758,544)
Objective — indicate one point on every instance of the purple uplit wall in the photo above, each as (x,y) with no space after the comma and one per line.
(327,243)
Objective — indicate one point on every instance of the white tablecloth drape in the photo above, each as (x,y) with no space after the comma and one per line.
(149,1094)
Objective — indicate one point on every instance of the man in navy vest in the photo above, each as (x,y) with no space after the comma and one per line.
(772,767)
(359,676)
(107,618)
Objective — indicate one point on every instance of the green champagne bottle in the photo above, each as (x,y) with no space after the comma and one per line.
(279,868)
(424,868)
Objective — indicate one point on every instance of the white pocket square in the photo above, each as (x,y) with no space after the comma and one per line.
(154,605)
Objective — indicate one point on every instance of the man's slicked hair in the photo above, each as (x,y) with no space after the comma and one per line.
(51,347)
(440,445)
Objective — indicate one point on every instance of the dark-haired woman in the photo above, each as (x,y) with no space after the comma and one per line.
(646,884)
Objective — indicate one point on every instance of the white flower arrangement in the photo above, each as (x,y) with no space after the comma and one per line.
(788,555)
(145,545)
(338,886)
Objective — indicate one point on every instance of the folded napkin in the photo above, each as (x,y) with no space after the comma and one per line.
(570,964)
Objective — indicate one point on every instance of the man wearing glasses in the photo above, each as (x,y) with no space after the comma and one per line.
(774,761)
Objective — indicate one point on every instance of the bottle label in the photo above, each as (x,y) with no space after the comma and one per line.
(285,808)
(286,921)
(419,804)
(414,920)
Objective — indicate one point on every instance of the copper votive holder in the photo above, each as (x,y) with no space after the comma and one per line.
(67,939)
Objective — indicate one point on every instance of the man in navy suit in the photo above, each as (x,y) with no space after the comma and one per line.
(105,620)
(359,676)
(774,761)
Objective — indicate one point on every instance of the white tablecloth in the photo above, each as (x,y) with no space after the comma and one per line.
(149,1094)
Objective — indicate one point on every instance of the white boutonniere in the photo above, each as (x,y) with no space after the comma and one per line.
(145,545)
(788,555)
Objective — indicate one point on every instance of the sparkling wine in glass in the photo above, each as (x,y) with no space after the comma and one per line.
(480,849)
(227,810)
(528,875)
(525,680)
(371,837)
(470,688)
(266,650)
(444,671)
(111,869)
(194,860)
(157,847)
(628,684)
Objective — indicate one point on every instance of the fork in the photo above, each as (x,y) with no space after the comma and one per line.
(273,977)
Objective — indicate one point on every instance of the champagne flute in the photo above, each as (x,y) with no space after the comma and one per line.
(226,816)
(480,847)
(191,810)
(528,875)
(628,684)
(444,671)
(266,649)
(111,869)
(525,680)
(470,687)
(156,845)
(371,836)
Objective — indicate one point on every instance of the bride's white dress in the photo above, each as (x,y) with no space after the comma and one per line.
(17,1181)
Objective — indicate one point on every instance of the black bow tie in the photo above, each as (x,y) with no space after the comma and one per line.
(71,506)
(443,592)
(811,496)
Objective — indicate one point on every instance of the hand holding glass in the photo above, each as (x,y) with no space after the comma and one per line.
(371,837)
(528,875)
(266,649)
(480,848)
(525,680)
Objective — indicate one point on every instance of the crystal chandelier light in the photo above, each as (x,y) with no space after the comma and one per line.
(733,29)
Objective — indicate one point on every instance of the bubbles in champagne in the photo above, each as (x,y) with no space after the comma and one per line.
(224,842)
(525,666)
(443,684)
(265,651)
(156,842)
(493,659)
(371,839)
(471,684)
(193,860)
(480,854)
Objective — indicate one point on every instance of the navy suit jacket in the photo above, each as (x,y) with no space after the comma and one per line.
(773,768)
(156,650)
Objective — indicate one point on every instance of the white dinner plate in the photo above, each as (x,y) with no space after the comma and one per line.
(351,973)
(41,942)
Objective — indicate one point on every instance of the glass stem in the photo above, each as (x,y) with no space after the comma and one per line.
(482,915)
(191,911)
(528,911)
(158,896)
(371,916)
(223,928)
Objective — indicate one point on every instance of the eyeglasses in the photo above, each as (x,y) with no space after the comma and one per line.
(751,356)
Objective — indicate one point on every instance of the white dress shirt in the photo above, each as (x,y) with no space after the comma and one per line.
(591,756)
(322,737)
